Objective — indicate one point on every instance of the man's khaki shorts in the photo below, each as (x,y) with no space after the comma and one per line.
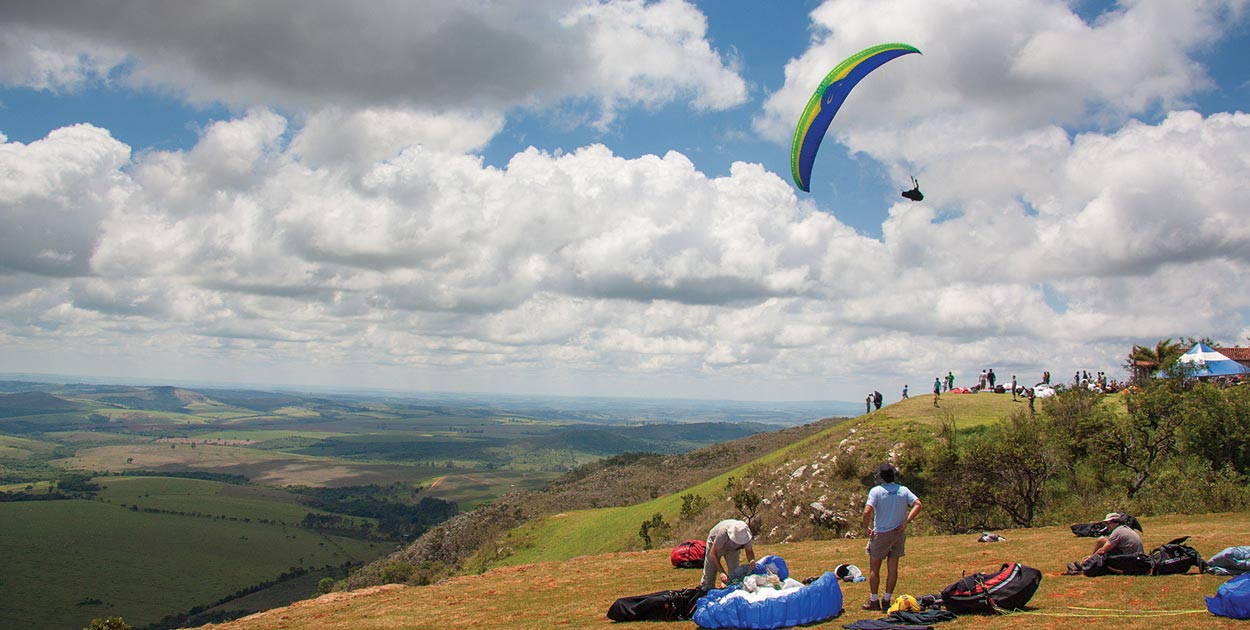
(891,544)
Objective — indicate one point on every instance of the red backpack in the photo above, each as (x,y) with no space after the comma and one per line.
(689,555)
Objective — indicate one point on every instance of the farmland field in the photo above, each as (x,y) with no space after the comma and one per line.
(141,565)
(210,498)
(164,498)
(266,467)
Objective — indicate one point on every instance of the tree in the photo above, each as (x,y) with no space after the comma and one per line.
(1071,420)
(1141,440)
(655,529)
(1009,466)
(1217,428)
(747,503)
(1143,361)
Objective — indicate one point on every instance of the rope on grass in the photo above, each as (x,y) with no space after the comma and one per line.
(1109,613)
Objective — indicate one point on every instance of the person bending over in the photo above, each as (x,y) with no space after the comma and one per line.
(724,541)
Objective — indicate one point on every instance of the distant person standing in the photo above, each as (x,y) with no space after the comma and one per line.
(981,381)
(904,391)
(1032,396)
(1046,377)
(876,399)
(950,381)
(990,378)
(890,507)
(937,390)
(724,541)
(868,403)
(1013,386)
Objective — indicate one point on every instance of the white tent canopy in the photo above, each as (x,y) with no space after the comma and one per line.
(1208,362)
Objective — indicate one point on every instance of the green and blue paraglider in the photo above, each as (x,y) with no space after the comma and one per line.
(824,104)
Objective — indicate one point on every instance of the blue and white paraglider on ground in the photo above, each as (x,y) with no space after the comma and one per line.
(795,605)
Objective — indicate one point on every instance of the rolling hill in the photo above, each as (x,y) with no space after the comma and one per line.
(567,566)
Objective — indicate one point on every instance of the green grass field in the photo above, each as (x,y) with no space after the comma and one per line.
(471,489)
(204,497)
(266,467)
(12,447)
(140,565)
(261,435)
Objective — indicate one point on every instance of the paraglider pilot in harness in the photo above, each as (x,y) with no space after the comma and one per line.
(914,194)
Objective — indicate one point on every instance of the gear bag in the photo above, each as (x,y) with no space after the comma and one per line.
(1008,589)
(672,605)
(1175,557)
(688,554)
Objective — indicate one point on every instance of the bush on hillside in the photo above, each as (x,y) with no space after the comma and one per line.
(108,623)
(692,504)
(397,573)
(654,531)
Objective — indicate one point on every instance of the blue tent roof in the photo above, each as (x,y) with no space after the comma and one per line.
(1208,362)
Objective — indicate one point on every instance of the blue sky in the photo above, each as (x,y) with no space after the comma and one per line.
(575,197)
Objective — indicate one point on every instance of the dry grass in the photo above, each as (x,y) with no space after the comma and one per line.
(577,593)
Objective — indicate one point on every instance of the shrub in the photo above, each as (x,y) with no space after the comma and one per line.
(654,530)
(692,504)
(109,623)
(325,585)
(397,573)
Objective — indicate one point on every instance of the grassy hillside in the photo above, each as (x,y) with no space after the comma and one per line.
(489,535)
(571,534)
(576,593)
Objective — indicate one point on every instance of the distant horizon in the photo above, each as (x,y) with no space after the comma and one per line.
(88,379)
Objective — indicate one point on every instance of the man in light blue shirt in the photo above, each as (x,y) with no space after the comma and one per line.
(889,509)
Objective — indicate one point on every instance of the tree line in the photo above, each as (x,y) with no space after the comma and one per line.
(1176,445)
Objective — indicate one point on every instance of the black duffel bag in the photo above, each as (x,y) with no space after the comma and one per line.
(672,605)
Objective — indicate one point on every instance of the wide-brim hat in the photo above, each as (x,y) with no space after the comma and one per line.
(739,533)
(886,473)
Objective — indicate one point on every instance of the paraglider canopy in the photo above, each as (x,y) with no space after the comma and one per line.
(826,101)
(914,194)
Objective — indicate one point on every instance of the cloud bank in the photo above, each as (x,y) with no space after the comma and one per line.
(341,228)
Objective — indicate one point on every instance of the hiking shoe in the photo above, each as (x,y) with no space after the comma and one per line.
(885,604)
(872,604)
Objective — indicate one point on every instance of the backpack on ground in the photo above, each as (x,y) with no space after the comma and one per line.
(689,554)
(672,605)
(1010,588)
(1174,557)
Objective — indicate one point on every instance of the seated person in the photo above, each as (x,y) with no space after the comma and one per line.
(1120,551)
